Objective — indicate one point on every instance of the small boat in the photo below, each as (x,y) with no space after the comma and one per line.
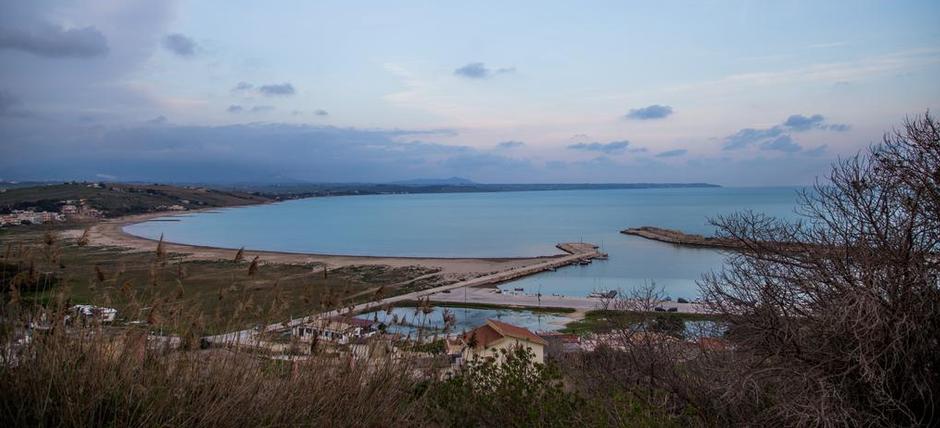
(518,289)
(601,256)
(584,262)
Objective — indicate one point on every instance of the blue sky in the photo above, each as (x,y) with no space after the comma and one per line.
(730,92)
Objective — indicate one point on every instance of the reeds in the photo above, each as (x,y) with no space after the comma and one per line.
(156,367)
(58,368)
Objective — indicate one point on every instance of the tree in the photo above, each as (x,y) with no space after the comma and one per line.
(514,392)
(836,317)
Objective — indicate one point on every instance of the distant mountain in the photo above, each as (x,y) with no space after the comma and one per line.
(453,181)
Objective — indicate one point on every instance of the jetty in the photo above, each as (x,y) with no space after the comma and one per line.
(681,238)
(691,240)
(576,253)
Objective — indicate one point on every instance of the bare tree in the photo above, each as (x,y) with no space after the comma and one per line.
(840,324)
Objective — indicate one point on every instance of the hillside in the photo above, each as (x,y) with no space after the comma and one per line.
(117,199)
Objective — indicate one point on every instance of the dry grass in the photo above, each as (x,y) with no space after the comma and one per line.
(218,290)
(58,369)
(95,376)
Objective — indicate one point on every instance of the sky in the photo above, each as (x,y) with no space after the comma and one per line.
(738,93)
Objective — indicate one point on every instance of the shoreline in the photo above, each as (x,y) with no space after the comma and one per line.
(110,233)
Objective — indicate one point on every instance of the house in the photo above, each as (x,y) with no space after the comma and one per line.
(340,329)
(90,312)
(490,339)
(372,347)
(562,343)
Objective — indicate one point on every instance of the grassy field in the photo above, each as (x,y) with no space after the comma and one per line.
(222,294)
(603,321)
(117,199)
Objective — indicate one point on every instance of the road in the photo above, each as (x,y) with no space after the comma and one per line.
(495,297)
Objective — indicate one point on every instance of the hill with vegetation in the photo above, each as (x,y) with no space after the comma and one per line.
(118,199)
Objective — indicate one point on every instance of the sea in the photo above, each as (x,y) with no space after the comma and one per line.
(498,224)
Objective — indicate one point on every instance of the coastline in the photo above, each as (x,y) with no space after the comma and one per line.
(110,233)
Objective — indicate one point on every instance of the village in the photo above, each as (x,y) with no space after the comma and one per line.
(367,340)
(69,211)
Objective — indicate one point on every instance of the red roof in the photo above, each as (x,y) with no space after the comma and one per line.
(515,331)
(495,330)
(353,321)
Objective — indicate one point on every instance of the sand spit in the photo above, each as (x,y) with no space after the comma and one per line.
(110,233)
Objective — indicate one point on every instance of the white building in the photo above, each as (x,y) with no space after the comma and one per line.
(494,339)
(99,313)
(339,329)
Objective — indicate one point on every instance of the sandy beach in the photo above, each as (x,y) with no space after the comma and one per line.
(110,233)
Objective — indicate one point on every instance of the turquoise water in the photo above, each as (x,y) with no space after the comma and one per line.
(509,224)
(410,320)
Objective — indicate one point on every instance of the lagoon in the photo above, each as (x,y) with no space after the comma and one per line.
(409,320)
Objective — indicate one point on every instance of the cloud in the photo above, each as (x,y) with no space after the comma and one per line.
(848,71)
(478,70)
(321,112)
(7,103)
(277,89)
(818,151)
(654,111)
(252,152)
(609,148)
(510,144)
(159,120)
(672,153)
(179,44)
(474,70)
(235,108)
(55,42)
(798,122)
(783,143)
(242,86)
(475,161)
(772,138)
(748,136)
